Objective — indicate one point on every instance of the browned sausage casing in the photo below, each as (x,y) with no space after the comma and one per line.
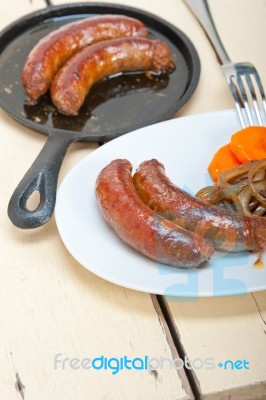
(228,230)
(52,51)
(74,80)
(138,226)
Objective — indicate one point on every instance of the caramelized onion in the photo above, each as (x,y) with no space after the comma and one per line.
(242,189)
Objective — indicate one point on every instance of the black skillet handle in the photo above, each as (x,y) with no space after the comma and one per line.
(42,176)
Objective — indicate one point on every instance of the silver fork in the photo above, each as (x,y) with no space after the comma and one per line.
(242,78)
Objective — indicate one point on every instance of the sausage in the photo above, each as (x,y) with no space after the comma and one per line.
(228,230)
(74,80)
(52,51)
(138,226)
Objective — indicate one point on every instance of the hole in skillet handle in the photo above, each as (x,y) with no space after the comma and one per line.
(42,177)
(33,201)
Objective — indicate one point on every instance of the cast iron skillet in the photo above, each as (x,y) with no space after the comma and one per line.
(114,106)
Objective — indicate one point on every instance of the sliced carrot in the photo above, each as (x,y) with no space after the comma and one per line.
(249,144)
(223,160)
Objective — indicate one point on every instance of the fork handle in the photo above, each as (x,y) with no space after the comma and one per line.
(201,10)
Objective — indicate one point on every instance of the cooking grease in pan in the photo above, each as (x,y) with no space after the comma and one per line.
(103,101)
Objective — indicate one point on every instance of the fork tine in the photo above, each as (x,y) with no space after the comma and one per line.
(247,91)
(238,100)
(243,92)
(258,81)
(253,94)
(251,98)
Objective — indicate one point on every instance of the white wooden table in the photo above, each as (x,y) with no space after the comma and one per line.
(51,305)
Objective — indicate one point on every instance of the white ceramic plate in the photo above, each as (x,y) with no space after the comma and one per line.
(185,146)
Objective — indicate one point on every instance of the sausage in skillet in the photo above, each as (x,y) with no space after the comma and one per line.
(74,80)
(52,51)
